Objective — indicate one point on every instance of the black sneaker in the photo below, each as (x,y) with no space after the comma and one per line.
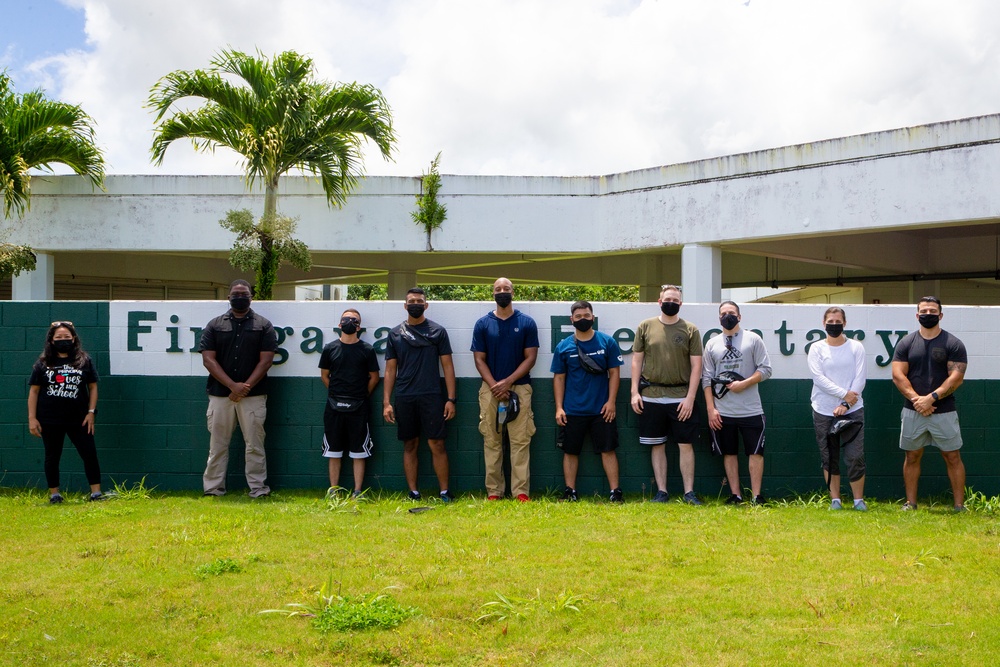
(691,499)
(446,496)
(759,500)
(414,495)
(570,495)
(616,496)
(660,497)
(95,497)
(734,500)
(55,499)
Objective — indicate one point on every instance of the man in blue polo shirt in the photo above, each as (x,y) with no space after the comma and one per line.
(505,347)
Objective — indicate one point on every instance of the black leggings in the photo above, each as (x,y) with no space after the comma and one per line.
(53,436)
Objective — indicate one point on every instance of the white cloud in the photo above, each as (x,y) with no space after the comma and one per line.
(564,86)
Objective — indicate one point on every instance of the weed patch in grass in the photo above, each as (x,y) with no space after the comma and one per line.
(977,501)
(218,567)
(339,499)
(506,607)
(138,490)
(344,613)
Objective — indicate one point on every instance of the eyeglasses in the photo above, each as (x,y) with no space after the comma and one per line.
(61,323)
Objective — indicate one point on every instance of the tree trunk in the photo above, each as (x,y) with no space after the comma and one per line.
(271,198)
(267,272)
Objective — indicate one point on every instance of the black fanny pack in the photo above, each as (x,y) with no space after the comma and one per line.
(345,404)
(587,363)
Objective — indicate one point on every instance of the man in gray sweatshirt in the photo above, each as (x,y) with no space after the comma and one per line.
(734,407)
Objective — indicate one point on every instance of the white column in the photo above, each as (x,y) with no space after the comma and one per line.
(701,273)
(37,285)
(399,282)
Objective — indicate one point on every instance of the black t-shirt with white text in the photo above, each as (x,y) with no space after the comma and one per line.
(63,397)
(928,360)
(417,350)
(350,365)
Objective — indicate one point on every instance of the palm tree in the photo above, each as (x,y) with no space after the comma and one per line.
(35,133)
(278,118)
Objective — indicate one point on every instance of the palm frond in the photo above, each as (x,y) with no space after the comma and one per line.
(272,113)
(36,133)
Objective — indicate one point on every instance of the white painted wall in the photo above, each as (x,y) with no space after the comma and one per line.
(927,176)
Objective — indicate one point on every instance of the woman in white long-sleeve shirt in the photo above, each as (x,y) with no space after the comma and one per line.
(837,366)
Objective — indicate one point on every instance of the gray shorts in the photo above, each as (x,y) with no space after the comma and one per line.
(941,430)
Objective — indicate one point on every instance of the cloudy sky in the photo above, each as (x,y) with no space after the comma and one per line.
(556,87)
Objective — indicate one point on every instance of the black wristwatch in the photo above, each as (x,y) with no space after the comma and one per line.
(453,400)
(846,404)
(935,396)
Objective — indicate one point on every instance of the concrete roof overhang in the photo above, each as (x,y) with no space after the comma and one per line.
(909,204)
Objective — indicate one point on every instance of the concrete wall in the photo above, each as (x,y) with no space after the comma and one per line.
(929,175)
(153,424)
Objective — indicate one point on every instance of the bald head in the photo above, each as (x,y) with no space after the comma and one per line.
(502,285)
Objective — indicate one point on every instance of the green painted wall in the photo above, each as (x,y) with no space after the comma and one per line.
(155,427)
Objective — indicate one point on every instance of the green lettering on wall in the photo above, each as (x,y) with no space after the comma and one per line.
(890,347)
(557,322)
(623,336)
(313,340)
(197,338)
(135,327)
(381,339)
(856,334)
(174,335)
(814,336)
(784,346)
(281,354)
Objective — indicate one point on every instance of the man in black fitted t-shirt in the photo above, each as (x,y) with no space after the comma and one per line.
(413,353)
(927,367)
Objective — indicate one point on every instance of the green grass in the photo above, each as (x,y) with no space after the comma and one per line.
(176,578)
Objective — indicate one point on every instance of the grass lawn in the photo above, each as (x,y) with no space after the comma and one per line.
(178,579)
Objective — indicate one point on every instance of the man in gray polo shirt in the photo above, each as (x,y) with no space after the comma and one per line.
(734,407)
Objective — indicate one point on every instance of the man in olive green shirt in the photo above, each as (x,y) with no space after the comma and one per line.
(666,358)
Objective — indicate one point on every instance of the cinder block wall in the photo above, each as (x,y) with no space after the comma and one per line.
(154,427)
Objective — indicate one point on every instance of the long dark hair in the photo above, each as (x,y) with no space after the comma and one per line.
(77,356)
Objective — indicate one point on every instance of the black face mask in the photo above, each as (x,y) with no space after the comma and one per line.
(239,303)
(349,325)
(583,325)
(503,299)
(62,346)
(929,321)
(670,308)
(415,310)
(834,330)
(729,321)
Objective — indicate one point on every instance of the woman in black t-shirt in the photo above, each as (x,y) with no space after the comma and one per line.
(62,401)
